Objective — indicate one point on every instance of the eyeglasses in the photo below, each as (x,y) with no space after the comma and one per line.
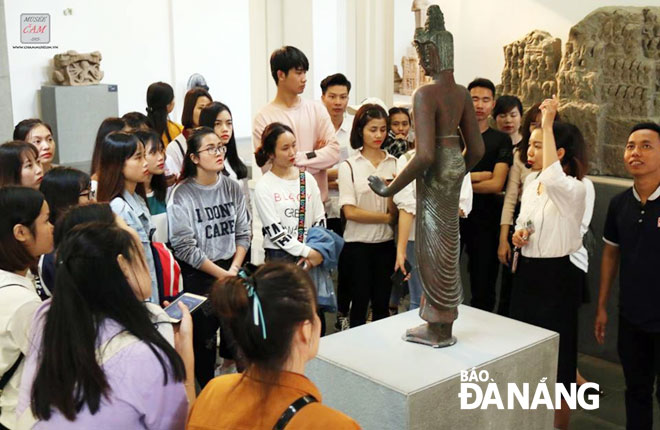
(215,150)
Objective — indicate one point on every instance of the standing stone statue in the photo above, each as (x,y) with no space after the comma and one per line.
(439,108)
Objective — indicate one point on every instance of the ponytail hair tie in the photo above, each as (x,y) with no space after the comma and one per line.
(257,311)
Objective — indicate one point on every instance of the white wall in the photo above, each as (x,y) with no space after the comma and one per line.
(142,42)
(481,28)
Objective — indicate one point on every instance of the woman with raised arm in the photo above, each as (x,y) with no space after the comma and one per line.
(440,108)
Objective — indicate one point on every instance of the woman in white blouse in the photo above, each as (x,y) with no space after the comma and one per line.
(547,287)
(369,253)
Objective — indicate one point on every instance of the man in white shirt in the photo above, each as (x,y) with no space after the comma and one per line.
(334,95)
(318,149)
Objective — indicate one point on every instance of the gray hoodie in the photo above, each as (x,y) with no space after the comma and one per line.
(207,221)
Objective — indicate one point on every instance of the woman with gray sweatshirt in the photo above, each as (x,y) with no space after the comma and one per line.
(209,230)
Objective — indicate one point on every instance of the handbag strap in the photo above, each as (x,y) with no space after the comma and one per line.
(292,410)
(301,211)
(10,372)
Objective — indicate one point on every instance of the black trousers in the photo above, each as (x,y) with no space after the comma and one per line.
(547,293)
(480,236)
(367,267)
(639,352)
(206,324)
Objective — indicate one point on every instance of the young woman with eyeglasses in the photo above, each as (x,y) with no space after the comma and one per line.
(209,230)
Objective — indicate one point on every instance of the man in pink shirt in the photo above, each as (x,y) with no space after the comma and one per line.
(318,148)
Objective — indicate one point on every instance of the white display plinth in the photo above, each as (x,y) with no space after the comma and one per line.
(383,382)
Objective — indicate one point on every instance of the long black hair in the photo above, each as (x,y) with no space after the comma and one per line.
(18,205)
(108,125)
(207,119)
(115,150)
(153,144)
(12,156)
(159,95)
(90,288)
(62,187)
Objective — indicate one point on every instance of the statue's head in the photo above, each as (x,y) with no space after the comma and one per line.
(435,45)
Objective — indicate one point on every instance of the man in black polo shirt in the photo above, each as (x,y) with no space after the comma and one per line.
(480,230)
(632,237)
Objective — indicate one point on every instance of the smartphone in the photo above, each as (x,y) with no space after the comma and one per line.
(193,301)
(398,276)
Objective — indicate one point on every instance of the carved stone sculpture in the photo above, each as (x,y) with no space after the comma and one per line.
(413,75)
(530,67)
(72,68)
(608,78)
(439,168)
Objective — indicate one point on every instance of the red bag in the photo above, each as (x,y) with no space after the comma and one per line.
(168,272)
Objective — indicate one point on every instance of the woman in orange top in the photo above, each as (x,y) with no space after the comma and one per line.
(272,313)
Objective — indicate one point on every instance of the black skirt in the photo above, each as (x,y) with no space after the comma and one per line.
(547,293)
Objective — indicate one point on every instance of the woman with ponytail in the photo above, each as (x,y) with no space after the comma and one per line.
(96,358)
(25,234)
(277,342)
(160,103)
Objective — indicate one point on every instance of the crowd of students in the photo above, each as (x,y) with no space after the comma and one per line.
(84,340)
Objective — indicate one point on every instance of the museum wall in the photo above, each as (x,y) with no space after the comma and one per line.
(176,40)
(482,28)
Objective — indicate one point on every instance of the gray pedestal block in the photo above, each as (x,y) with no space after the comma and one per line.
(383,382)
(75,114)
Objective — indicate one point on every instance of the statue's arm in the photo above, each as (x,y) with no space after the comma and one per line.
(424,106)
(474,143)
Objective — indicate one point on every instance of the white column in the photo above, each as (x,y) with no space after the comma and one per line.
(370,48)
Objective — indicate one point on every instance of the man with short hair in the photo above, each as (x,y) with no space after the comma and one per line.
(632,238)
(315,136)
(335,90)
(334,95)
(480,230)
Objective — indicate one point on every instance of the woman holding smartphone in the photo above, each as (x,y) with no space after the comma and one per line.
(547,288)
(369,253)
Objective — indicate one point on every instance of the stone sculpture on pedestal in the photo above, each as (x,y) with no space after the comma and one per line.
(439,167)
(72,68)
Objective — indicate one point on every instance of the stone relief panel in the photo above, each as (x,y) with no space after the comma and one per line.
(530,67)
(72,68)
(608,78)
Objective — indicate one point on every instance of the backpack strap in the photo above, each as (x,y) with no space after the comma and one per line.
(183,153)
(292,410)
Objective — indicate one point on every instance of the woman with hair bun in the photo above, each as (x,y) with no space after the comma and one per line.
(272,312)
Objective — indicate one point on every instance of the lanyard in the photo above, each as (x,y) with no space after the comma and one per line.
(301,212)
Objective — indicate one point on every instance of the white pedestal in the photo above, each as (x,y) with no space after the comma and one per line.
(383,382)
